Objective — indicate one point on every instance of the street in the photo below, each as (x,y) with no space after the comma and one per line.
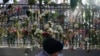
(22,52)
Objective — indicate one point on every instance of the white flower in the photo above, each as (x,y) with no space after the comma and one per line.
(76,25)
(37,31)
(41,31)
(53,12)
(60,29)
(55,31)
(86,39)
(50,30)
(49,21)
(52,24)
(71,30)
(31,10)
(46,26)
(35,23)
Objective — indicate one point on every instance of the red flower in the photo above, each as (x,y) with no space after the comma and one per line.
(45,34)
(14,31)
(18,9)
(25,32)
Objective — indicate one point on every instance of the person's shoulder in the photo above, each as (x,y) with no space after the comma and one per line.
(40,54)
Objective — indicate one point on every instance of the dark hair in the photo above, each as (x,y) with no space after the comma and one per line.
(51,46)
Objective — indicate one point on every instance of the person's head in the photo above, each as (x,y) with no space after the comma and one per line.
(52,46)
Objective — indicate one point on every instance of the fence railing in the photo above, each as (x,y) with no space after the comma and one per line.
(17,23)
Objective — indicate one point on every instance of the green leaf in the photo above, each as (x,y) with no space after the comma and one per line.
(87,15)
(73,3)
(46,1)
(31,2)
(15,1)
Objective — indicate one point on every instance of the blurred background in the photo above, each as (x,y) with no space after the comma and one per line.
(26,23)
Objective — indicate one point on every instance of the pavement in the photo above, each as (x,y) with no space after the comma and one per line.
(27,50)
(33,52)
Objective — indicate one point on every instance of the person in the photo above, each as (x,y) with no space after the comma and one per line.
(51,47)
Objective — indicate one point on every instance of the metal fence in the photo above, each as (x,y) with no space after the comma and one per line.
(18,18)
